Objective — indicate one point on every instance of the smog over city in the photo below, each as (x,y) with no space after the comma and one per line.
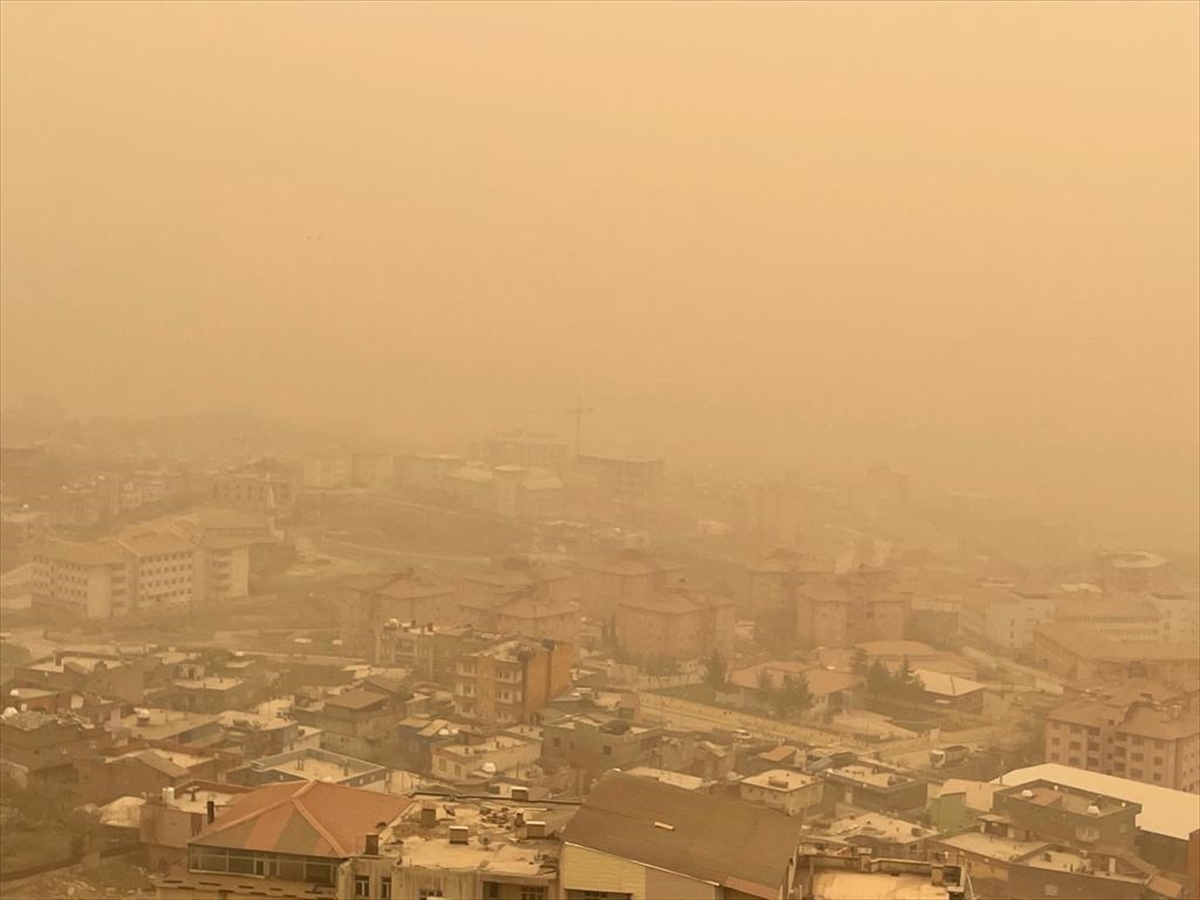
(600,451)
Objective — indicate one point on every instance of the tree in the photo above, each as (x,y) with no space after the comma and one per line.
(878,679)
(906,682)
(715,672)
(766,683)
(861,663)
(795,695)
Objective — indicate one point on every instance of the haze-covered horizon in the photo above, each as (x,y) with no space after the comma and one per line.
(959,238)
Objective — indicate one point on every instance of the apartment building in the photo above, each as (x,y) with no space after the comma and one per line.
(677,623)
(1135,738)
(253,491)
(93,580)
(1005,616)
(1179,614)
(631,574)
(370,602)
(501,754)
(528,449)
(594,742)
(791,793)
(777,580)
(856,606)
(629,478)
(509,681)
(1120,620)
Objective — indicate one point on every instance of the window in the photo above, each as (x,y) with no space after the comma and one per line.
(607,750)
(362,885)
(1054,742)
(1158,760)
(1158,777)
(1050,890)
(424,893)
(491,890)
(532,892)
(1135,773)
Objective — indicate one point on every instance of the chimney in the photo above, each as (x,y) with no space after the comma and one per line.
(371,845)
(458,834)
(211,809)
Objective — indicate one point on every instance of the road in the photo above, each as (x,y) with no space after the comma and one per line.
(686,714)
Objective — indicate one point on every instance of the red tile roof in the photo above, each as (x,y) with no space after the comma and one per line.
(313,818)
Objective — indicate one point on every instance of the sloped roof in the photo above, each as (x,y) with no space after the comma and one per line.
(312,818)
(946,685)
(710,838)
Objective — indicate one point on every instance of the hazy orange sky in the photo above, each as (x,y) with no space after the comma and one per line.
(961,237)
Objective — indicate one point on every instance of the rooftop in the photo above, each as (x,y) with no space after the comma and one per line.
(977,794)
(877,825)
(91,553)
(312,818)
(869,775)
(1046,794)
(1167,812)
(849,885)
(947,685)
(991,845)
(739,845)
(769,780)
(678,779)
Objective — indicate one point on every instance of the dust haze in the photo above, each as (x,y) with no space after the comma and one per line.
(958,238)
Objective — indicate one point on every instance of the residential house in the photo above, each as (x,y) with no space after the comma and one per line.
(38,748)
(791,793)
(358,723)
(594,743)
(860,605)
(875,787)
(313,764)
(103,778)
(511,752)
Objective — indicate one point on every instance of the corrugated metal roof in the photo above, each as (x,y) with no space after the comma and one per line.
(709,838)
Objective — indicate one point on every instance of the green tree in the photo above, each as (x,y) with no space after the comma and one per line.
(795,695)
(878,679)
(906,683)
(862,663)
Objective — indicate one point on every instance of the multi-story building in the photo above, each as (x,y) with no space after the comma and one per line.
(594,743)
(329,472)
(856,606)
(427,650)
(83,506)
(1059,812)
(1005,616)
(509,681)
(792,793)
(1179,614)
(37,748)
(253,491)
(93,580)
(292,840)
(1138,739)
(502,754)
(630,478)
(678,623)
(371,601)
(20,531)
(358,723)
(523,597)
(629,575)
(502,848)
(875,786)
(528,449)
(1073,653)
(1118,620)
(778,579)
(164,568)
